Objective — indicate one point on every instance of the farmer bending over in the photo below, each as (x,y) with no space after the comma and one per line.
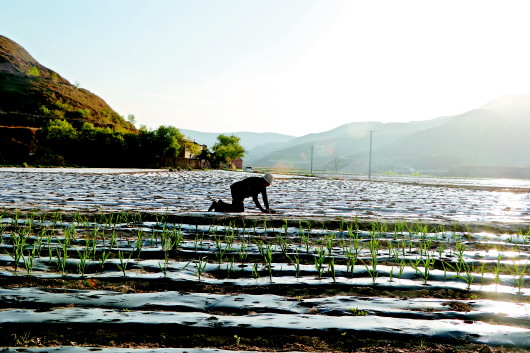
(252,186)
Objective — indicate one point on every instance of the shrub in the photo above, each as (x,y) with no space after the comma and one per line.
(33,71)
(57,114)
(60,130)
(106,113)
(85,113)
(44,110)
(61,105)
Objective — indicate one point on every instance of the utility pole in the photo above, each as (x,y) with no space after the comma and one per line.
(370,157)
(312,146)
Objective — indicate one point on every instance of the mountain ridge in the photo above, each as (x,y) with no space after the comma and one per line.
(492,136)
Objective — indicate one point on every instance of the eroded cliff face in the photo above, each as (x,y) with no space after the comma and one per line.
(17,144)
(32,95)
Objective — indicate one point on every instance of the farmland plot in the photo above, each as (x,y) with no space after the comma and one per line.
(426,199)
(130,279)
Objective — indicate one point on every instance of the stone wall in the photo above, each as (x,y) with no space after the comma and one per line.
(181,162)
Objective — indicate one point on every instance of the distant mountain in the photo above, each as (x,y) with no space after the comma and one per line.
(495,135)
(337,148)
(249,140)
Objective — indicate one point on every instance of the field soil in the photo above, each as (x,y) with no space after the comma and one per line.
(115,276)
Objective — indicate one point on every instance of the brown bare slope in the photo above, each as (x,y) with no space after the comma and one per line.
(33,94)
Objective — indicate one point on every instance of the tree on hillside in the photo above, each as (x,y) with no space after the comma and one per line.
(88,146)
(60,132)
(103,146)
(100,146)
(131,119)
(58,141)
(228,148)
(171,139)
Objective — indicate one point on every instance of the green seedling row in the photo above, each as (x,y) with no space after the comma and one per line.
(85,246)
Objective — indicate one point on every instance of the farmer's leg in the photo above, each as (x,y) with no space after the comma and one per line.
(227,207)
(213,206)
(238,205)
(237,200)
(222,206)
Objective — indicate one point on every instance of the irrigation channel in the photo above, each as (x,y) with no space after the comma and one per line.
(121,281)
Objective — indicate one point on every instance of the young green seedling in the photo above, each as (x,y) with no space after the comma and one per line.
(124,260)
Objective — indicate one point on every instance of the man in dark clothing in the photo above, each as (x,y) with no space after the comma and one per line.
(249,187)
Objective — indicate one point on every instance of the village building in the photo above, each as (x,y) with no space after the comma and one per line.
(237,163)
(185,159)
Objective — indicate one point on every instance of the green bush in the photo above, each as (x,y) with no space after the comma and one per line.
(106,113)
(85,113)
(33,71)
(44,110)
(89,145)
(57,114)
(60,131)
(61,105)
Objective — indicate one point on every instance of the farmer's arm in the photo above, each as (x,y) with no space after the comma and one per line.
(256,201)
(265,200)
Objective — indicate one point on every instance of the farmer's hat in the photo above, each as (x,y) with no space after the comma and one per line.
(268,178)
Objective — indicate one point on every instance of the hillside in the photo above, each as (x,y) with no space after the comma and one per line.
(340,147)
(478,137)
(33,94)
(491,138)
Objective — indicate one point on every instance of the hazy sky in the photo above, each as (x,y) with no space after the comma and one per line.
(287,66)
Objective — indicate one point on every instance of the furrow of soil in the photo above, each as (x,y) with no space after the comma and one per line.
(80,273)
